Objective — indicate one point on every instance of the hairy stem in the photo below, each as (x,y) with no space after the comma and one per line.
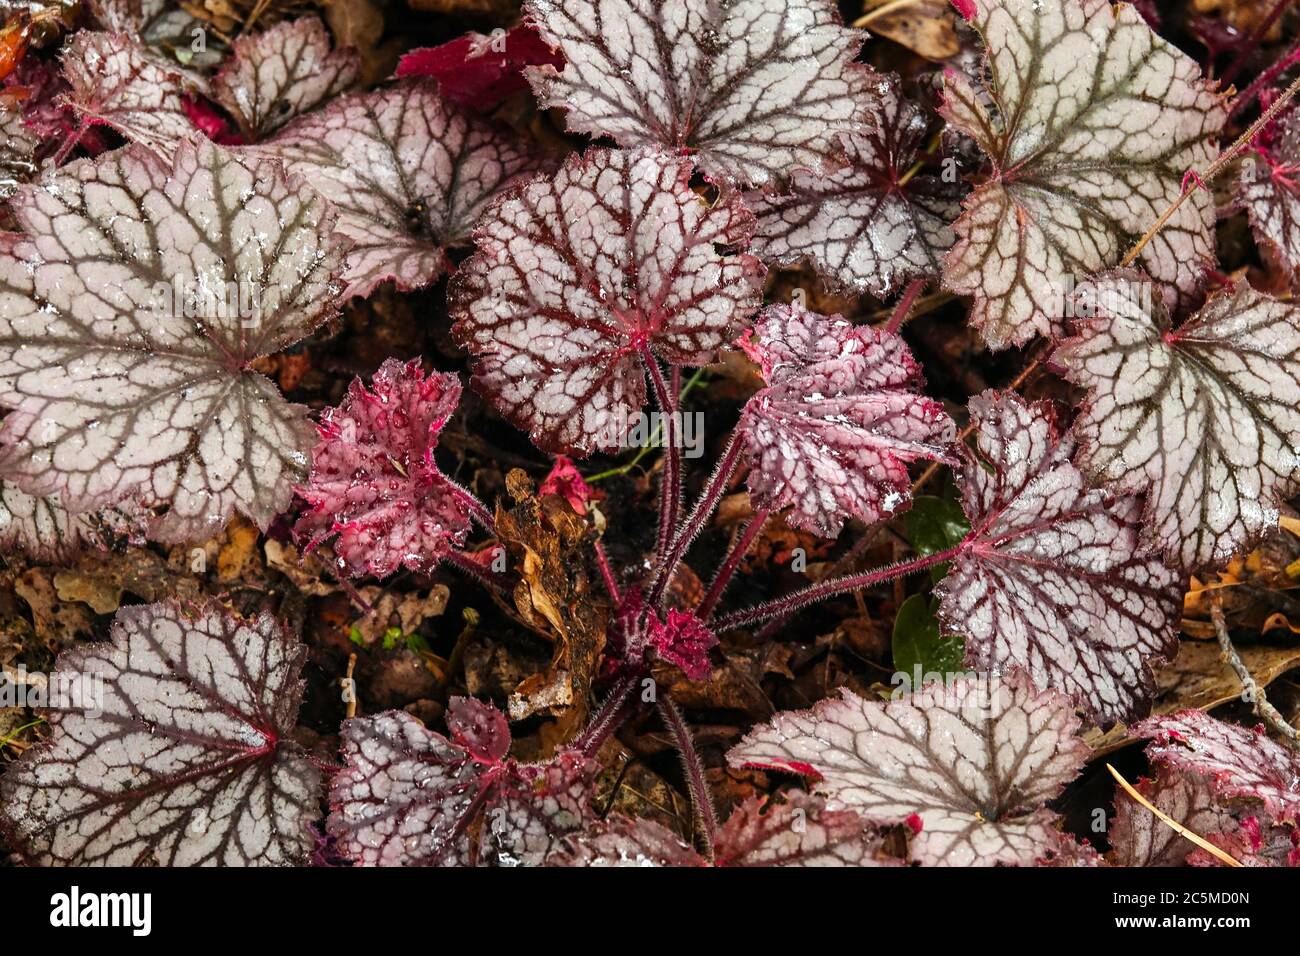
(1195,182)
(1250,689)
(1261,82)
(670,486)
(831,587)
(485,576)
(606,572)
(904,307)
(607,717)
(706,817)
(728,569)
(477,510)
(672,555)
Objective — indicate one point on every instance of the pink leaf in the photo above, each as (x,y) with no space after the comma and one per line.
(1051,578)
(683,640)
(1269,190)
(566,481)
(1203,419)
(1090,121)
(42,528)
(861,227)
(186,760)
(800,831)
(411,797)
(409,173)
(834,431)
(118,82)
(1237,763)
(756,87)
(577,276)
(1139,838)
(976,761)
(477,71)
(374,482)
(134,306)
(272,77)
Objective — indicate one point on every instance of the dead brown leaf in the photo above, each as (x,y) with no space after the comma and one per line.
(926,27)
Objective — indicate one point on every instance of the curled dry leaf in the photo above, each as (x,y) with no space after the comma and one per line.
(375,487)
(839,422)
(1094,121)
(1051,577)
(547,545)
(1204,419)
(968,764)
(1237,763)
(136,301)
(411,797)
(185,760)
(274,76)
(409,173)
(755,87)
(578,277)
(800,831)
(863,227)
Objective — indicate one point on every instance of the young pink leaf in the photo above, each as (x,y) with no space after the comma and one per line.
(975,761)
(566,481)
(1051,578)
(409,173)
(1203,419)
(17,148)
(186,760)
(411,797)
(756,87)
(1238,763)
(839,421)
(682,640)
(797,832)
(374,482)
(116,81)
(1094,121)
(272,77)
(477,71)
(134,306)
(861,227)
(577,276)
(1139,838)
(42,529)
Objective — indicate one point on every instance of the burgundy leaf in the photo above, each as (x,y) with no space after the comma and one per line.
(756,87)
(1051,578)
(272,77)
(409,173)
(1238,763)
(971,763)
(578,277)
(374,482)
(1091,121)
(42,529)
(187,760)
(1203,419)
(477,71)
(839,421)
(117,81)
(135,305)
(862,227)
(797,832)
(411,797)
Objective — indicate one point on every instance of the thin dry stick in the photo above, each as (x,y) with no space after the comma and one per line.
(1195,182)
(1251,692)
(350,685)
(1178,828)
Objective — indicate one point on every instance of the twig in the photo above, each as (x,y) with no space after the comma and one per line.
(350,685)
(1177,827)
(1250,689)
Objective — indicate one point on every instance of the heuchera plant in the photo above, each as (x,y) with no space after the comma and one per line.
(584,289)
